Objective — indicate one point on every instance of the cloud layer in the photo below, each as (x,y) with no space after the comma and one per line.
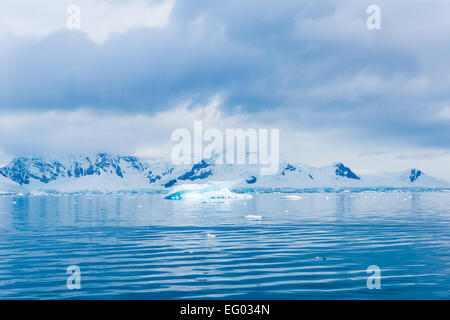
(312,67)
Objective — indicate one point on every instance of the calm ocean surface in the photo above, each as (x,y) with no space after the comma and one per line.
(144,247)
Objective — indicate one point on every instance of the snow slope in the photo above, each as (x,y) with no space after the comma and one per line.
(8,186)
(108,173)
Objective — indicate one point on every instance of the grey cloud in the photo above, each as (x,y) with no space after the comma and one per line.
(314,62)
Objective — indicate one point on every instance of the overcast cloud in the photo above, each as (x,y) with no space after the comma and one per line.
(311,68)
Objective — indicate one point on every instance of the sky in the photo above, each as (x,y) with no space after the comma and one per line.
(377,100)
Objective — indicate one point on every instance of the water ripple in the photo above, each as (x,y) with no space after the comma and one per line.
(316,250)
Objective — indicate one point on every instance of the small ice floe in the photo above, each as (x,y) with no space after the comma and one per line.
(211,236)
(14,202)
(140,206)
(253,217)
(76,202)
(320,258)
(293,197)
(286,211)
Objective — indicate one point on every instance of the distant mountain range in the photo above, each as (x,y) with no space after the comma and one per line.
(106,173)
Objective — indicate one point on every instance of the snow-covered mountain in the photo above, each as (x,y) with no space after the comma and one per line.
(108,173)
(8,186)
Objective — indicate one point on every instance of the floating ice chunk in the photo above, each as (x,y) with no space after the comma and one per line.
(211,236)
(140,206)
(293,197)
(14,202)
(217,190)
(320,258)
(253,217)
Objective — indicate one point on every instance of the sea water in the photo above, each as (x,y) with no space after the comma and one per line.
(272,246)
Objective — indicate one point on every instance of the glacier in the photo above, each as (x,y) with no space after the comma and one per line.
(107,173)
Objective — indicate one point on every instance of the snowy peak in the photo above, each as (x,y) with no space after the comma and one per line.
(414,175)
(25,170)
(289,168)
(201,170)
(104,172)
(418,178)
(345,172)
(296,171)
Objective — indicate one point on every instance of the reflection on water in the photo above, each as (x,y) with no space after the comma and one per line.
(317,246)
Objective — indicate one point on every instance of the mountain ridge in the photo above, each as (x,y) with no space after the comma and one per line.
(105,172)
